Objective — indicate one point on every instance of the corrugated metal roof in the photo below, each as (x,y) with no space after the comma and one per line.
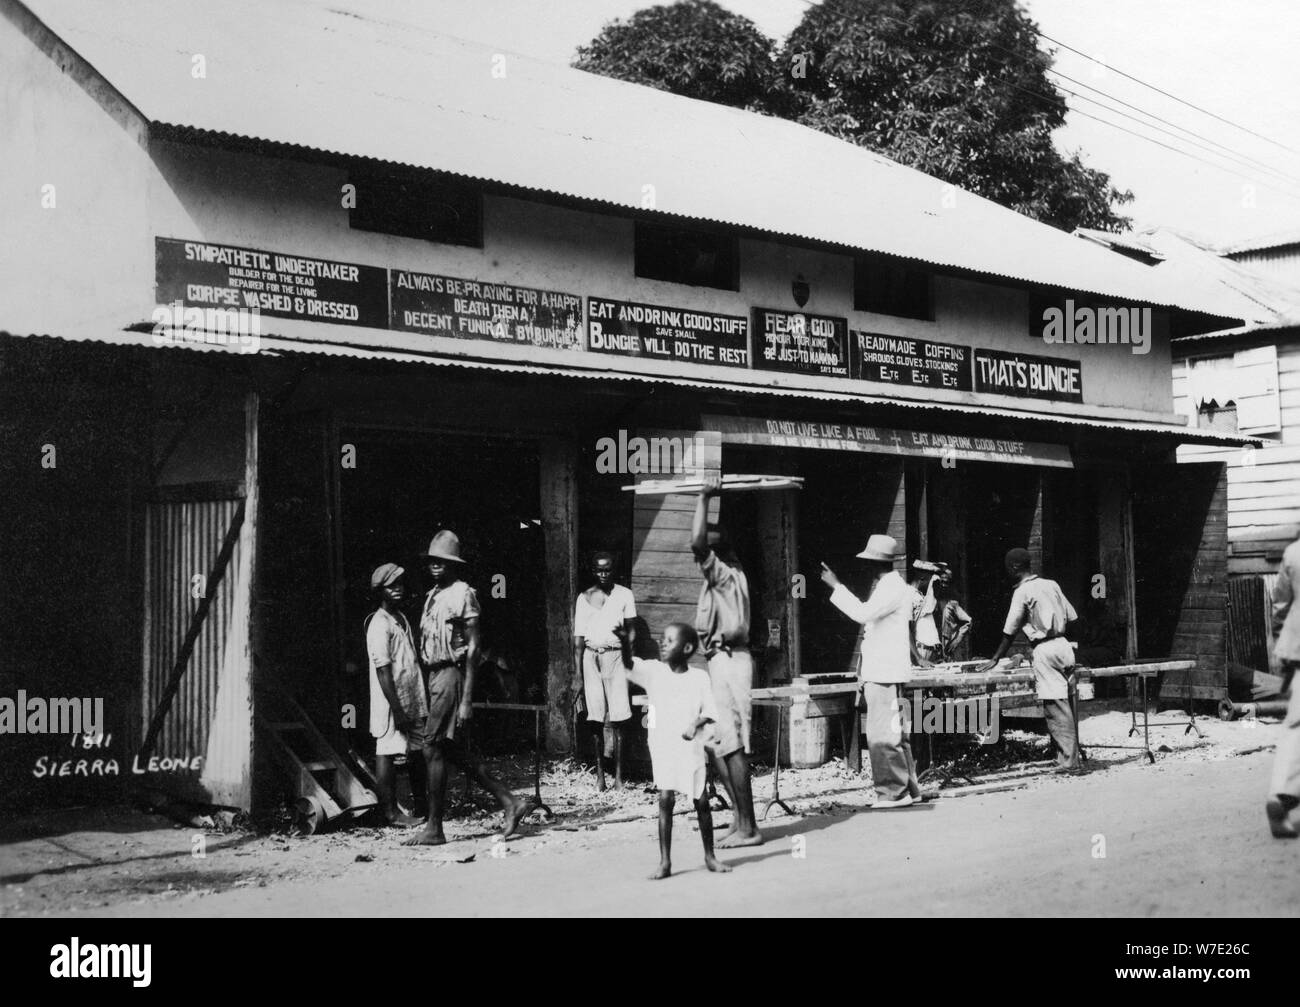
(339,80)
(1279,239)
(280,345)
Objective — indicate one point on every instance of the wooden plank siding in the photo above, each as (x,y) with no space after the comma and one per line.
(1263,490)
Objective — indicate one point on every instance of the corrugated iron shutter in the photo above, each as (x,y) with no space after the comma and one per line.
(182,540)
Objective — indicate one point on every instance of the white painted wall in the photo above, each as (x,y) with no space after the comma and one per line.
(88,267)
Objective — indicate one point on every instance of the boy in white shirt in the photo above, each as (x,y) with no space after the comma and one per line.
(397,702)
(680,705)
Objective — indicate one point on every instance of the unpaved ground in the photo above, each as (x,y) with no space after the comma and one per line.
(1184,836)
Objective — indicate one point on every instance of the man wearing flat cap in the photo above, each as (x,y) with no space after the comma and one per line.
(397,702)
(450,652)
(886,666)
(1040,608)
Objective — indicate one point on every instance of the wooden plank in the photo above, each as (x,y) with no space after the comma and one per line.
(665,518)
(1267,497)
(559,513)
(1262,517)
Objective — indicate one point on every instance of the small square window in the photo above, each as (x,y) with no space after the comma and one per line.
(420,205)
(889,288)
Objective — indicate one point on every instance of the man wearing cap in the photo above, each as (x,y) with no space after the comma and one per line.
(1040,608)
(450,652)
(1284,785)
(886,618)
(601,612)
(722,622)
(397,702)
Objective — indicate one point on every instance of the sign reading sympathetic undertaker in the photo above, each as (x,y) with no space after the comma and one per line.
(475,309)
(279,284)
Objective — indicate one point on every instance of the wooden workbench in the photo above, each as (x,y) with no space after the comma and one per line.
(1010,688)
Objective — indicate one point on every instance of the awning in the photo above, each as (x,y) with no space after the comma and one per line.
(276,346)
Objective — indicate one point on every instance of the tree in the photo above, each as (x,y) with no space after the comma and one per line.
(959,92)
(695,48)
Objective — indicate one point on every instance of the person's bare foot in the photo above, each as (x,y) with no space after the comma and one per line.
(517,812)
(731,831)
(736,839)
(665,869)
(716,865)
(1277,820)
(402,821)
(426,837)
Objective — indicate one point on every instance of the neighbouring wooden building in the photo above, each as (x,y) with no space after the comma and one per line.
(478,278)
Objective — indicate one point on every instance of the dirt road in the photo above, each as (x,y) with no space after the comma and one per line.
(1177,838)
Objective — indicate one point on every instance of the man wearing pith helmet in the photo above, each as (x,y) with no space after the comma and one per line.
(886,618)
(450,653)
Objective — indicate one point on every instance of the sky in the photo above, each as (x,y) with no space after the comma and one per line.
(1236,60)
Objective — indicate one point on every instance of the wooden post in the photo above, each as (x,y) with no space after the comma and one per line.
(777,523)
(559,510)
(1115,545)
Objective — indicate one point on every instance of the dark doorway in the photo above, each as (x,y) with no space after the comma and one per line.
(404,488)
(1001,503)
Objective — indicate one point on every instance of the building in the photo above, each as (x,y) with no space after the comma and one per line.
(482,282)
(1244,379)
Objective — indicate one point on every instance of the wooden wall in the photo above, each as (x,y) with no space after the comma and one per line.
(1263,483)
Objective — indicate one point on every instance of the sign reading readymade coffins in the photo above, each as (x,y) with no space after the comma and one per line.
(470,309)
(644,330)
(802,344)
(1028,376)
(884,440)
(202,274)
(900,360)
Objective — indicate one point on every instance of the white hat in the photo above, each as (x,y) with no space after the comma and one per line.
(880,548)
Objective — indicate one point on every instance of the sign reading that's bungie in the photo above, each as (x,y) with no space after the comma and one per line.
(207,275)
(1028,376)
(471,309)
(901,360)
(800,343)
(681,334)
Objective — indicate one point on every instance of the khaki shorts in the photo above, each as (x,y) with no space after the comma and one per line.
(604,684)
(394,742)
(732,677)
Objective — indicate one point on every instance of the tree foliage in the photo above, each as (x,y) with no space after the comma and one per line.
(960,92)
(695,48)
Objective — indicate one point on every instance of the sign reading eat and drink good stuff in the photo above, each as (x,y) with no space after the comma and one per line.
(902,360)
(470,309)
(227,277)
(816,434)
(1028,376)
(800,343)
(684,334)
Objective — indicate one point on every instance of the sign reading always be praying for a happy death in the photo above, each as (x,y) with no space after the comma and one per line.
(471,309)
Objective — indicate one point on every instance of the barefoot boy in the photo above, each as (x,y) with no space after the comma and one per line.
(681,704)
(450,650)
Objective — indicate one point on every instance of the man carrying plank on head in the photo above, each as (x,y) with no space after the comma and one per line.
(722,622)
